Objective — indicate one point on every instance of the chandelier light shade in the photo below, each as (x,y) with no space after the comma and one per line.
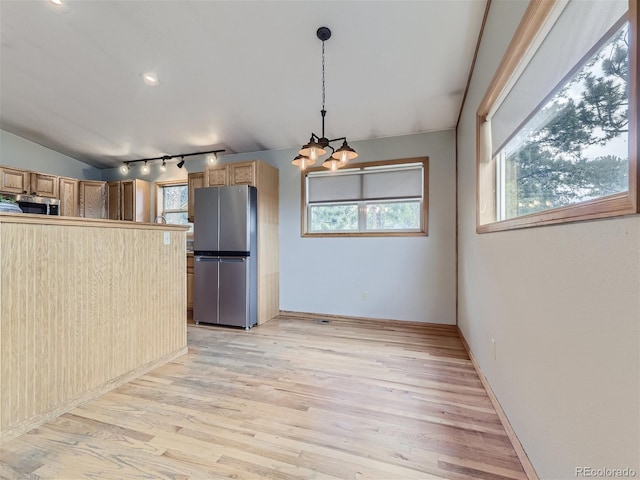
(302,162)
(318,145)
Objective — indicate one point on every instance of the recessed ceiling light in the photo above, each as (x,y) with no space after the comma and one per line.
(150,79)
(56,2)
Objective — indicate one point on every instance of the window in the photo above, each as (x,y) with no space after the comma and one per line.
(172,202)
(558,127)
(372,199)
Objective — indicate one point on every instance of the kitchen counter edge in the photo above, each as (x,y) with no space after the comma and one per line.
(84,222)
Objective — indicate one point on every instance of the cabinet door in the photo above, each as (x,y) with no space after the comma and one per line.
(44,185)
(215,177)
(242,173)
(189,282)
(68,188)
(14,181)
(113,202)
(196,180)
(142,201)
(128,200)
(93,199)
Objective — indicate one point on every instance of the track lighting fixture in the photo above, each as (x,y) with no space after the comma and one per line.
(145,168)
(318,145)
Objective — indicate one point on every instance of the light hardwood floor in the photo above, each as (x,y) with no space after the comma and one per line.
(290,399)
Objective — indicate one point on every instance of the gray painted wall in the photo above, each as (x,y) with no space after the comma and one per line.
(407,278)
(20,153)
(562,303)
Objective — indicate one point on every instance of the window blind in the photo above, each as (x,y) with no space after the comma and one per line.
(365,184)
(581,26)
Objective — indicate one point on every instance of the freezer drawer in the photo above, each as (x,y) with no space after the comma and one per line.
(223,293)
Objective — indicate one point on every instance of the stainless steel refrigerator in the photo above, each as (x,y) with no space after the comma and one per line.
(225,253)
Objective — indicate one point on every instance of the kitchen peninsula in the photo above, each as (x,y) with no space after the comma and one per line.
(85,305)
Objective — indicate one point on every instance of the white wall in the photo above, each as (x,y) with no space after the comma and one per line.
(562,303)
(21,153)
(407,278)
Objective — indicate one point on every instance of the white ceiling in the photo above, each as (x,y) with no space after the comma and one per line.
(239,75)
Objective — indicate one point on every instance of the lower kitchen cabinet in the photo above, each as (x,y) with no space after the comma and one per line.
(189,281)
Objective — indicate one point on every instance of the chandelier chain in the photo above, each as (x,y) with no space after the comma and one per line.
(323,94)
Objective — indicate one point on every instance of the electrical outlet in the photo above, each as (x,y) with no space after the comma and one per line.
(493,349)
(365,295)
(167,238)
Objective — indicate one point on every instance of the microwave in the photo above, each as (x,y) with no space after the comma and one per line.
(38,205)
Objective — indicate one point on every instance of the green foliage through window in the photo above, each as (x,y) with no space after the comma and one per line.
(575,148)
(334,218)
(175,204)
(373,198)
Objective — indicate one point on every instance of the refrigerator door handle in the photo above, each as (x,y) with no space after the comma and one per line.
(232,260)
(208,259)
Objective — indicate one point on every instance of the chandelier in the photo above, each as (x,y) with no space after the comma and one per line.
(318,145)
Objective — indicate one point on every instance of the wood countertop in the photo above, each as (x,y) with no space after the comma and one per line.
(30,218)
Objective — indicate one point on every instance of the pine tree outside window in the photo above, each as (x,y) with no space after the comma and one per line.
(557,129)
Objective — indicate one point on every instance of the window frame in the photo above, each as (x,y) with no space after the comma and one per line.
(424,231)
(160,211)
(624,203)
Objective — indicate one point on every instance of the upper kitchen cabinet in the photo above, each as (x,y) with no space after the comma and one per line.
(44,185)
(14,181)
(93,196)
(243,173)
(68,188)
(195,180)
(130,200)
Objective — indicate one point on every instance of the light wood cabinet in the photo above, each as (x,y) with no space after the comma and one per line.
(13,180)
(113,201)
(68,189)
(129,200)
(44,185)
(190,281)
(266,180)
(195,180)
(216,176)
(93,196)
(242,173)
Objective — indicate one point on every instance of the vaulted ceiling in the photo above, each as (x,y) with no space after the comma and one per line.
(239,75)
